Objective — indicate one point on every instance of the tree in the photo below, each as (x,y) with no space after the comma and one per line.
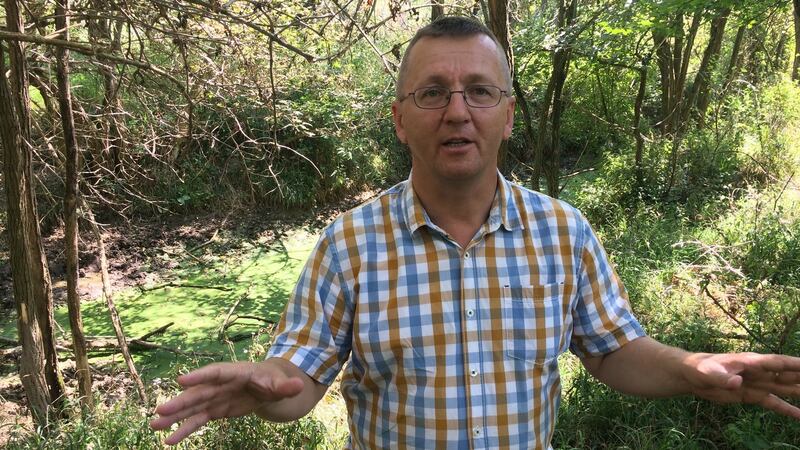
(796,65)
(548,141)
(39,370)
(437,9)
(84,375)
(698,98)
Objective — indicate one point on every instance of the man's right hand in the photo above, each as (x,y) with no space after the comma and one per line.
(274,389)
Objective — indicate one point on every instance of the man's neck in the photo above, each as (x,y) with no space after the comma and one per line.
(460,209)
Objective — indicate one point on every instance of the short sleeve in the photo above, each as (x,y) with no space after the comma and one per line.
(602,317)
(314,332)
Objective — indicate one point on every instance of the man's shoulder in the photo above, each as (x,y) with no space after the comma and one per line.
(535,203)
(371,211)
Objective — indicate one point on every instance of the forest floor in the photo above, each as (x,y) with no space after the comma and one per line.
(144,256)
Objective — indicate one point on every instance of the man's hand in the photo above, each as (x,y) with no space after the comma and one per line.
(647,368)
(274,389)
(747,378)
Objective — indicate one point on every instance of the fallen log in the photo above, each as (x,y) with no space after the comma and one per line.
(106,343)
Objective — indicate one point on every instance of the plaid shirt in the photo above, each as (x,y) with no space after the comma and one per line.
(451,347)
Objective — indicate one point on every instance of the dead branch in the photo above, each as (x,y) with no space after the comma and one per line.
(159,330)
(733,317)
(105,343)
(221,332)
(85,50)
(112,309)
(184,285)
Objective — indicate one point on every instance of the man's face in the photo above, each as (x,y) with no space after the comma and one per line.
(457,143)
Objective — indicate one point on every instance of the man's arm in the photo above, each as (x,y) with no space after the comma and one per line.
(274,389)
(647,368)
(292,408)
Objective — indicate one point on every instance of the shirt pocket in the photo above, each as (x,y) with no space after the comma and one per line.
(532,321)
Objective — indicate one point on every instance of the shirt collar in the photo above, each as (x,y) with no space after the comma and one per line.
(505,208)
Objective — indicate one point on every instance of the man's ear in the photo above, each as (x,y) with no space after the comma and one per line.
(397,118)
(512,101)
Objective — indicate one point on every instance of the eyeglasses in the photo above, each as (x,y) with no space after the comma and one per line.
(475,95)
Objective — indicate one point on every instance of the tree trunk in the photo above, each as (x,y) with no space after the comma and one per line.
(100,34)
(673,63)
(437,9)
(498,23)
(735,61)
(70,211)
(637,119)
(548,150)
(39,370)
(699,97)
(796,66)
(664,61)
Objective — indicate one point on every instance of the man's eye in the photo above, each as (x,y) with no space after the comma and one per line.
(431,93)
(479,91)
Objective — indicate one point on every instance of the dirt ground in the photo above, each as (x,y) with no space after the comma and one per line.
(138,253)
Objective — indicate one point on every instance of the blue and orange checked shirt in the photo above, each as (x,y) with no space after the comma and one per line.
(452,347)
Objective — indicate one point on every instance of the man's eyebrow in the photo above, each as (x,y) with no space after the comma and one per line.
(440,80)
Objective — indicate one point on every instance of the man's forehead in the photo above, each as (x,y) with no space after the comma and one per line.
(476,52)
(454,44)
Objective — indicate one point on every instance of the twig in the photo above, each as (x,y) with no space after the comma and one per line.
(221,332)
(184,285)
(733,317)
(159,330)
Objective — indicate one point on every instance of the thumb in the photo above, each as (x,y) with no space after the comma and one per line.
(724,380)
(277,385)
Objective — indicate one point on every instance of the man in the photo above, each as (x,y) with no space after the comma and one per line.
(452,294)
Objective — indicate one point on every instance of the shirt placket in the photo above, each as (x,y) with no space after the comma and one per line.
(472,344)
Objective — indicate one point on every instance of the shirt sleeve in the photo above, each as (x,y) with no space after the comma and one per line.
(314,332)
(603,321)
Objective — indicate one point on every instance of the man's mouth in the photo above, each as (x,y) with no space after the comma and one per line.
(457,142)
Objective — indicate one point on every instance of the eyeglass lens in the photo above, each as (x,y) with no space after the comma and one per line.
(477,96)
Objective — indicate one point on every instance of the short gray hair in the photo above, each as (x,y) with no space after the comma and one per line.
(452,27)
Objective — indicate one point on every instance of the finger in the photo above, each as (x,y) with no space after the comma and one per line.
(781,390)
(776,363)
(194,396)
(166,421)
(188,427)
(213,373)
(780,406)
(787,377)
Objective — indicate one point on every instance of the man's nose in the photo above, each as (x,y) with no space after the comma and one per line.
(457,109)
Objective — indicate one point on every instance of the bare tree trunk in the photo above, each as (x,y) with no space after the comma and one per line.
(679,103)
(498,23)
(70,211)
(32,361)
(112,309)
(796,66)
(664,61)
(548,150)
(100,34)
(735,59)
(33,296)
(699,95)
(637,120)
(673,63)
(437,9)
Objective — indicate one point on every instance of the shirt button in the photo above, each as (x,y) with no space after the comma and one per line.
(470,313)
(466,255)
(476,432)
(473,372)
